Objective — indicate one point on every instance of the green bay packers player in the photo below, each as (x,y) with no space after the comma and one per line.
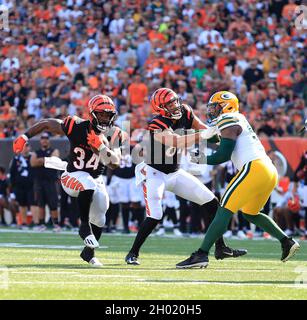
(249,190)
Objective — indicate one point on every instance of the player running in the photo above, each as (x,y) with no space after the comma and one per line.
(250,189)
(161,171)
(94,143)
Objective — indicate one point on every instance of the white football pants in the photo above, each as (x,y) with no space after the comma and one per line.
(181,183)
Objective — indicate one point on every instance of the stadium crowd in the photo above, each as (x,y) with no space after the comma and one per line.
(58,54)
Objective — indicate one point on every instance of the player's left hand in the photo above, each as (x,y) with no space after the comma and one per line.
(94,141)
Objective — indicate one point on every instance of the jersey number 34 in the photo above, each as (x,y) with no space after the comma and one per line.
(80,163)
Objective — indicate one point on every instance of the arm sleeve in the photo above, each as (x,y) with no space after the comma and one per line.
(68,125)
(214,139)
(157,124)
(223,153)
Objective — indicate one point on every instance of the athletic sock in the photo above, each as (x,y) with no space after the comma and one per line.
(171,213)
(210,212)
(266,223)
(41,221)
(139,214)
(55,221)
(217,228)
(84,201)
(125,215)
(97,231)
(145,230)
(87,254)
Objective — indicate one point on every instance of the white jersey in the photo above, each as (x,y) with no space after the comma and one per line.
(248,146)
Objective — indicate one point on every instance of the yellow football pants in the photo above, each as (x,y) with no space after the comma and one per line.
(252,186)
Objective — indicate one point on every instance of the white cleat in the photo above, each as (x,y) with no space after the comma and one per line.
(160,232)
(91,242)
(177,232)
(241,235)
(227,234)
(95,263)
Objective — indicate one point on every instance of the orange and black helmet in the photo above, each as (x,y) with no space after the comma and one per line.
(102,112)
(222,102)
(167,103)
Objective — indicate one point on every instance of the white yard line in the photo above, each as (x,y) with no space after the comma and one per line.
(42,246)
(143,282)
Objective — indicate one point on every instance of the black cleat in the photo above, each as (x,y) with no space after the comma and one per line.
(289,248)
(132,258)
(226,252)
(87,254)
(198,259)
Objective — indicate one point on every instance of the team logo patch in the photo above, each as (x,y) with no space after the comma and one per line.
(227,96)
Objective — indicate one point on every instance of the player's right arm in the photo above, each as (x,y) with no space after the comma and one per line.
(171,139)
(53,126)
(165,135)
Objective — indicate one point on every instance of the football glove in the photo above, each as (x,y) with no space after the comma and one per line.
(94,141)
(19,143)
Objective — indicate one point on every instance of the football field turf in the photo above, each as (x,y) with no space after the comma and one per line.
(47,266)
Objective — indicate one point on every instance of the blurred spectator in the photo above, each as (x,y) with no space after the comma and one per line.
(300,174)
(137,92)
(45,182)
(21,178)
(252,74)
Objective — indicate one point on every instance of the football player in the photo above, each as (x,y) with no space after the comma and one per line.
(161,171)
(94,143)
(251,187)
(126,192)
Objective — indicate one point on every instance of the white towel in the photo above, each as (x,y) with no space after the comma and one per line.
(55,163)
(139,176)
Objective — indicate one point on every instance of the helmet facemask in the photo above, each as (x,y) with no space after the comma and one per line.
(214,109)
(103,120)
(173,109)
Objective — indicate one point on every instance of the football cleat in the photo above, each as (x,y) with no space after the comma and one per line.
(289,248)
(226,252)
(198,259)
(160,232)
(132,258)
(177,232)
(95,263)
(91,242)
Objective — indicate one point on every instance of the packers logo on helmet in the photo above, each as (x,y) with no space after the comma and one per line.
(222,102)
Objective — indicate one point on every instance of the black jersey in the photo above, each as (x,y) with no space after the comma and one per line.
(3,187)
(21,172)
(42,173)
(127,167)
(160,156)
(81,156)
(301,171)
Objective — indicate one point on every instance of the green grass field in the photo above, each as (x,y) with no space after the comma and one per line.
(33,267)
